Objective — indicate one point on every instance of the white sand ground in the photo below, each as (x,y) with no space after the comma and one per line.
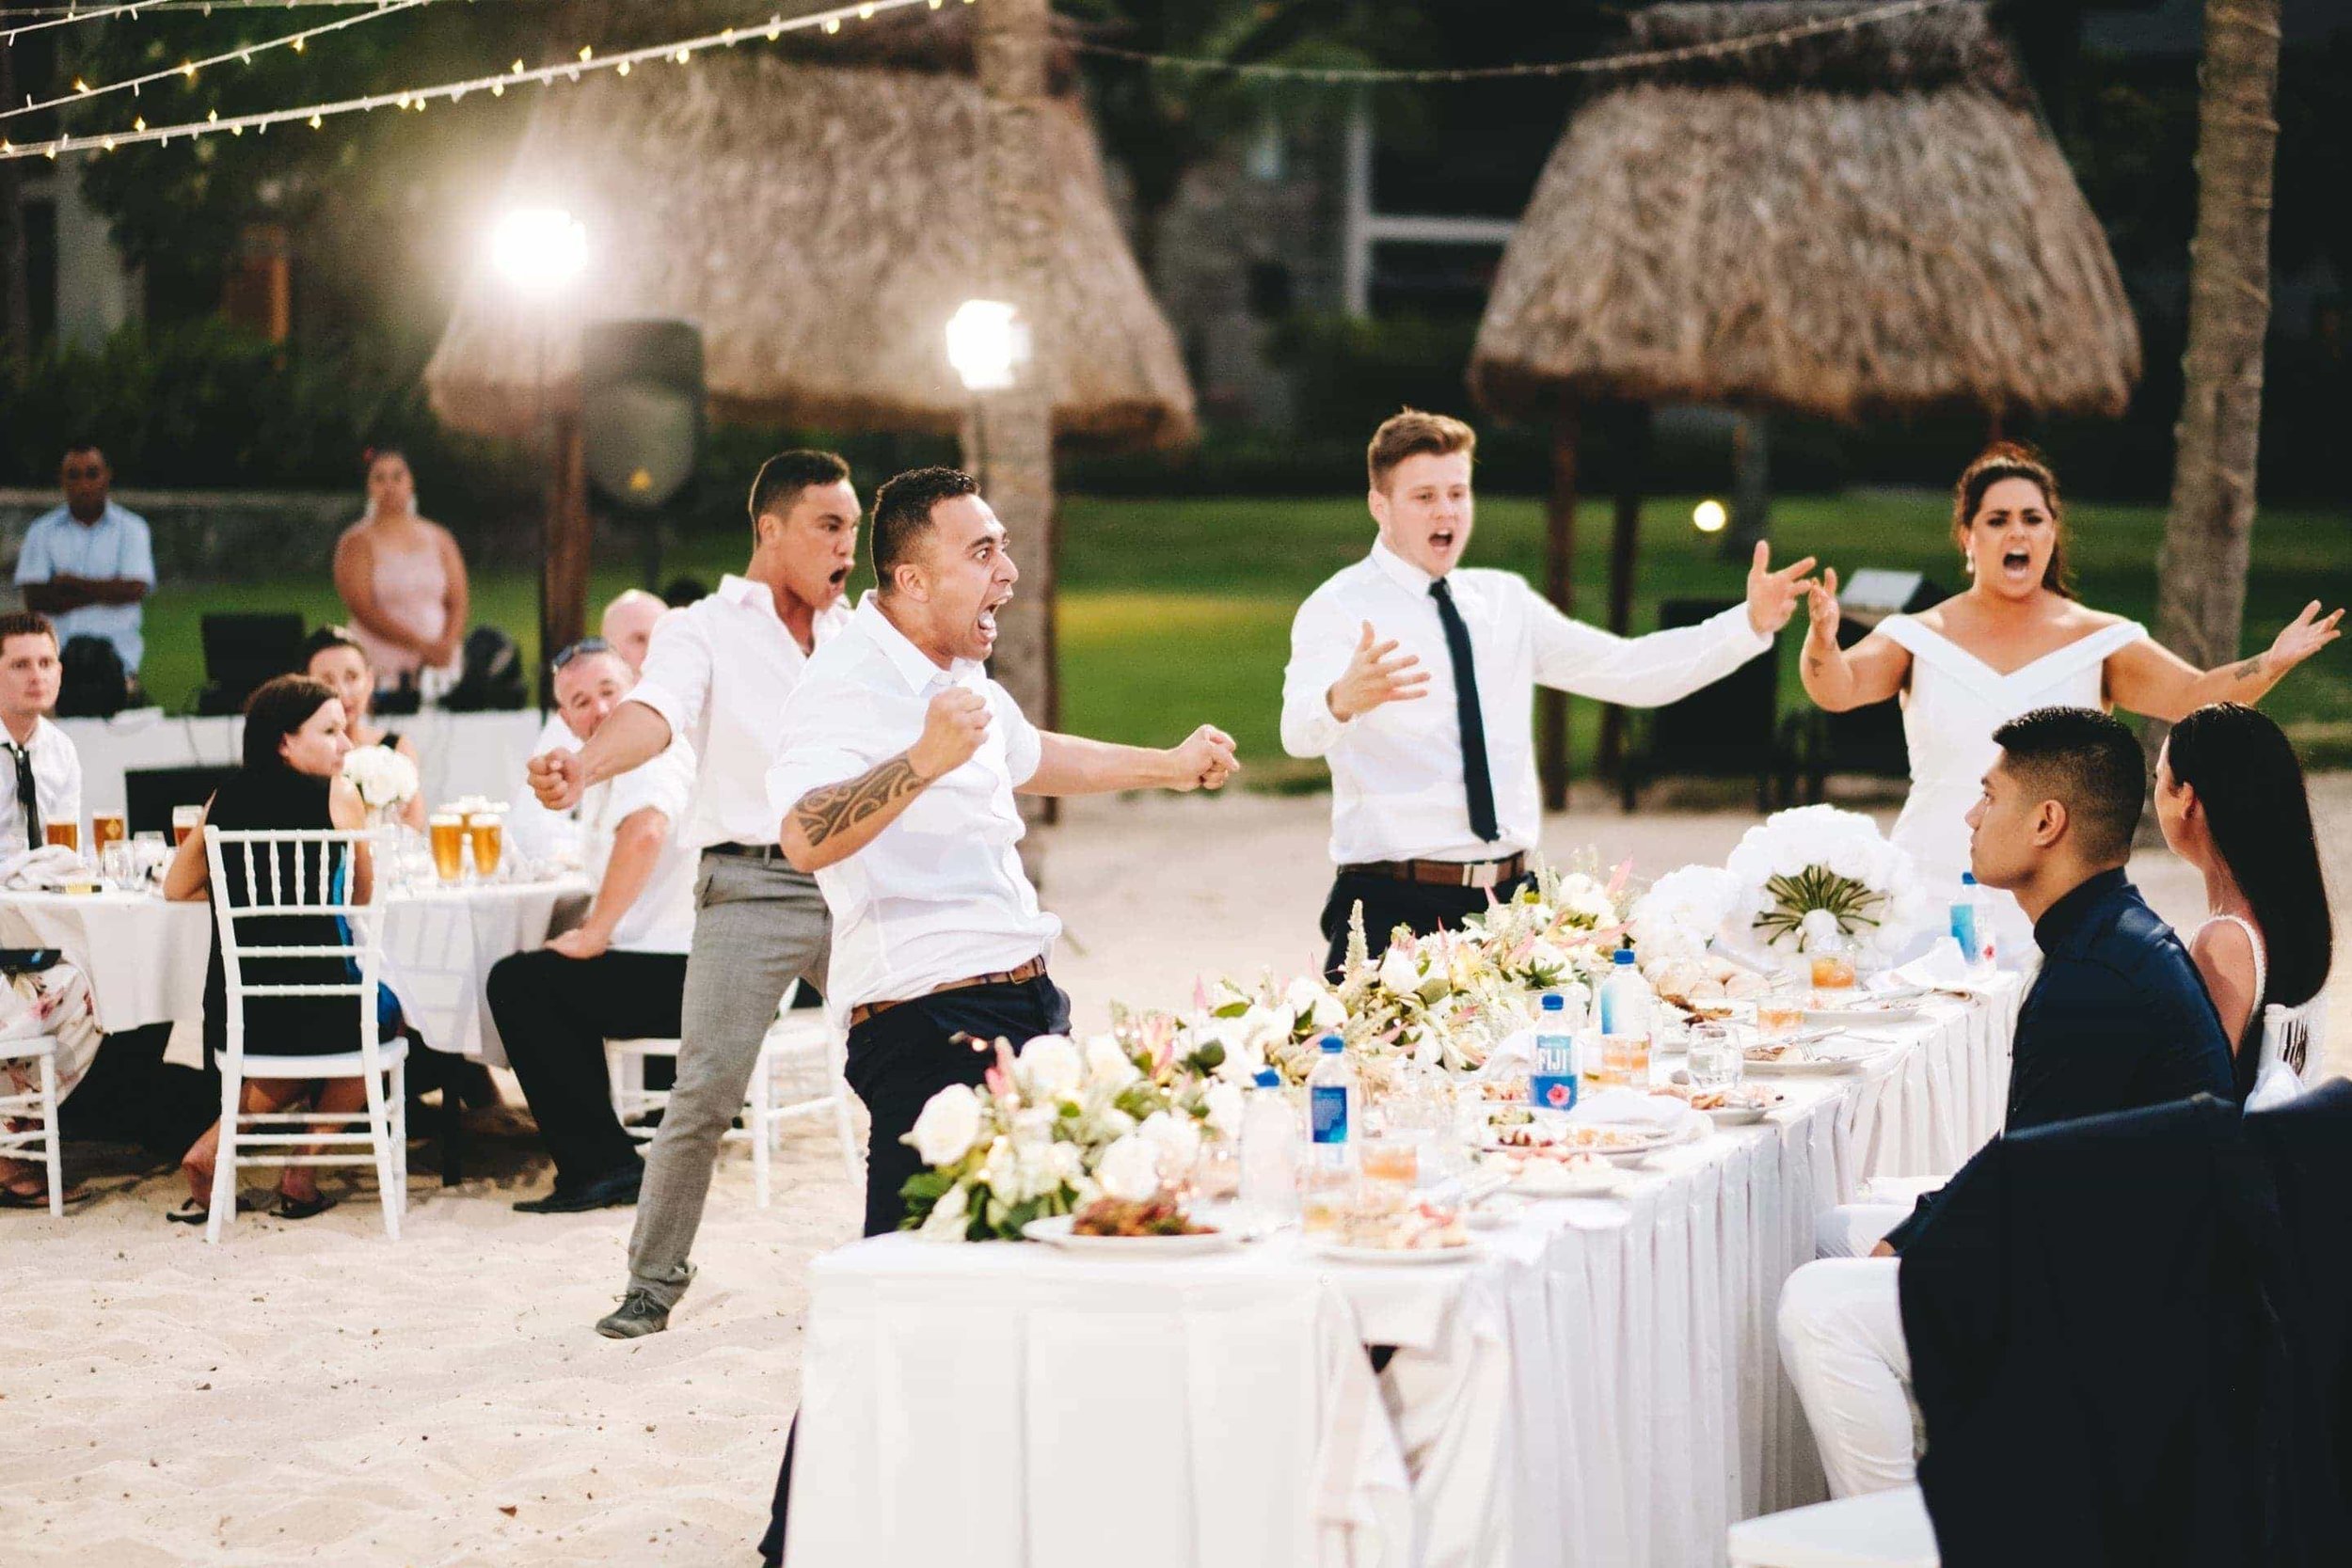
(312,1392)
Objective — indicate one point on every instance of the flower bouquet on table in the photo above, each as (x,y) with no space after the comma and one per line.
(384,780)
(1672,926)
(1057,1126)
(1260,1025)
(1817,876)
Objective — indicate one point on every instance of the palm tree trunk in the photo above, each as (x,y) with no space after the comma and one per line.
(2200,586)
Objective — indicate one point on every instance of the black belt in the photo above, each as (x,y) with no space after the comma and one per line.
(763,852)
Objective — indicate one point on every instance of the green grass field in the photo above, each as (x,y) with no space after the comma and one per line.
(1177,612)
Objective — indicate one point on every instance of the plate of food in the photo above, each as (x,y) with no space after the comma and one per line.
(1865,1007)
(1741,1105)
(1606,1140)
(1559,1174)
(1116,1228)
(1783,1059)
(1423,1233)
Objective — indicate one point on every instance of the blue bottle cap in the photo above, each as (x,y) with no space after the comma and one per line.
(1625,955)
(1268,1078)
(1333,1045)
(1967,878)
(1552,1003)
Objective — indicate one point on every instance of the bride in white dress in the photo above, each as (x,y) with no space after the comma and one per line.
(2015,640)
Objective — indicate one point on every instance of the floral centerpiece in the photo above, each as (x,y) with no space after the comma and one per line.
(1817,873)
(384,780)
(1058,1125)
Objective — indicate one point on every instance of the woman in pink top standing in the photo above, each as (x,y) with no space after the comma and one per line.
(404,583)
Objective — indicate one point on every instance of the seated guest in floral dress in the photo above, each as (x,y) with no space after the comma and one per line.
(54,1001)
(295,740)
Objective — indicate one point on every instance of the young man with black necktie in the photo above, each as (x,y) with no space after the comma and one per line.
(42,780)
(1434,803)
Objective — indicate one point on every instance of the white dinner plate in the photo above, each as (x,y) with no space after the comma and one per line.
(1339,1252)
(1738,1115)
(1867,1011)
(1056,1232)
(1813,1066)
(1646,1140)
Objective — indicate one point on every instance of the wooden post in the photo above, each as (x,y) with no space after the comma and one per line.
(1624,541)
(1010,45)
(1560,587)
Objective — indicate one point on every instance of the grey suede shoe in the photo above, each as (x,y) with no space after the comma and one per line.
(637,1316)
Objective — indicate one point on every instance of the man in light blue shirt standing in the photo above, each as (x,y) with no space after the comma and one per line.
(88,564)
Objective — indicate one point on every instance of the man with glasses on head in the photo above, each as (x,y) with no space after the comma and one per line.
(717,672)
(621,972)
(626,628)
(88,564)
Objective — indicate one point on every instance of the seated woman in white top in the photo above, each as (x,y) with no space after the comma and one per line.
(2230,798)
(2016,639)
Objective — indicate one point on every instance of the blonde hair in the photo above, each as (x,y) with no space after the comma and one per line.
(1410,433)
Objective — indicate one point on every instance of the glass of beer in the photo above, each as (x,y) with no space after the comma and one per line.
(446,830)
(485,831)
(108,827)
(67,833)
(183,822)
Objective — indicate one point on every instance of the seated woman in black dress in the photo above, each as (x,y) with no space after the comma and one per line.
(295,740)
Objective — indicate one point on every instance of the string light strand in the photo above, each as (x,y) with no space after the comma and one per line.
(187,69)
(680,50)
(1589,65)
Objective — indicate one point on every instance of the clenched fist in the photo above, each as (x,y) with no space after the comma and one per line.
(953,729)
(1376,674)
(557,778)
(1205,760)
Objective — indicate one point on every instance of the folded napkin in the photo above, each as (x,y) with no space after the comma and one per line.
(44,870)
(1631,1107)
(1940,965)
(1516,1054)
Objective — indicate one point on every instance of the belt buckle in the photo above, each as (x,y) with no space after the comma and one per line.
(1480,875)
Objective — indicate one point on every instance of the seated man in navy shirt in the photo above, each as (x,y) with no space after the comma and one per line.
(2117,1017)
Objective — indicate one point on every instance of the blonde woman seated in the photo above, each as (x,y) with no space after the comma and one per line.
(296,738)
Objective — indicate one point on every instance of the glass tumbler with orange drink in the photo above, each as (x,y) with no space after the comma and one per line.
(485,832)
(446,831)
(68,834)
(108,827)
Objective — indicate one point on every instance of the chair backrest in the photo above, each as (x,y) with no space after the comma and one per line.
(2292,1042)
(1737,713)
(263,880)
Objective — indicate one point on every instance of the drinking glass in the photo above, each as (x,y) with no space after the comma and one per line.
(107,827)
(1780,1011)
(65,833)
(117,865)
(1325,1195)
(1715,1060)
(1624,1061)
(183,822)
(483,831)
(447,830)
(1833,960)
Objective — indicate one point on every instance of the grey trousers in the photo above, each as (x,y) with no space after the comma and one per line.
(758,926)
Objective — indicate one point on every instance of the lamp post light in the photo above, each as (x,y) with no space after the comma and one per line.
(540,252)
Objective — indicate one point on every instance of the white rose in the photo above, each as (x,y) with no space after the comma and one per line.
(1175,1136)
(949,1125)
(1129,1169)
(1818,925)
(1051,1066)
(1001,1170)
(1107,1064)
(1399,974)
(1302,996)
(946,1222)
(1544,959)
(1329,1011)
(1225,1101)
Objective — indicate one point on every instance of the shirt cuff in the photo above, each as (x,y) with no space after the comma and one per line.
(1737,628)
(663,702)
(1318,729)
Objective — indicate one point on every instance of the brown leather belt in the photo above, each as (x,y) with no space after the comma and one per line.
(1486,873)
(1029,971)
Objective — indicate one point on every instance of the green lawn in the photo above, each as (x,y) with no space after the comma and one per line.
(1177,612)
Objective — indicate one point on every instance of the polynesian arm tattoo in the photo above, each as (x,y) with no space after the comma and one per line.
(881,791)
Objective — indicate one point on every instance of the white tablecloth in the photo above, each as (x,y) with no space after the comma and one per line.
(1600,1386)
(145,958)
(460,753)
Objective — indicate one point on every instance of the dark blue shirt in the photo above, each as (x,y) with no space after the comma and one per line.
(2118,1019)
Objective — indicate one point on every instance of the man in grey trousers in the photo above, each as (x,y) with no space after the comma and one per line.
(717,672)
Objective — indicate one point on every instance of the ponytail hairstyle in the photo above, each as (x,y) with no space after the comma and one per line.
(2010,460)
(2250,784)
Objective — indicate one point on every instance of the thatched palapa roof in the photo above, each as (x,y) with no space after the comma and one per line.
(820,224)
(1859,222)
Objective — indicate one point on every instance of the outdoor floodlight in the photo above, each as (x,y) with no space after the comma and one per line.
(539,249)
(1709,516)
(988,343)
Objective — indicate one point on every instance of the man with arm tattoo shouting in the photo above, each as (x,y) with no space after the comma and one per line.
(895,785)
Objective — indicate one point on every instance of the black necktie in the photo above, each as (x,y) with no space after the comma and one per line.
(27,797)
(1477,782)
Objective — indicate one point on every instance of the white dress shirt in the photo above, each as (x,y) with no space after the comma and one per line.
(536,833)
(116,545)
(719,670)
(57,784)
(939,894)
(1397,772)
(661,919)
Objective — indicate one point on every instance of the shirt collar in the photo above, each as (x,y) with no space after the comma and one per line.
(825,623)
(2061,919)
(1401,571)
(915,667)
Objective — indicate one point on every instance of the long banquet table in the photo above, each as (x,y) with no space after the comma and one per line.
(1600,1386)
(145,958)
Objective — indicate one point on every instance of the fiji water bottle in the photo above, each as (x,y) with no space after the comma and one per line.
(1972,923)
(1552,1086)
(1333,1107)
(1269,1149)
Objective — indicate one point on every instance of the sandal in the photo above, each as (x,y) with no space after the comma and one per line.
(192,1212)
(302,1208)
(39,1197)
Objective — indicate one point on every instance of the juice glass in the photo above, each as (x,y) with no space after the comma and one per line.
(1624,1060)
(446,831)
(67,833)
(107,827)
(485,831)
(183,822)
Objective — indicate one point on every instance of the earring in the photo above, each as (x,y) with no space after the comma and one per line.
(1968,564)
